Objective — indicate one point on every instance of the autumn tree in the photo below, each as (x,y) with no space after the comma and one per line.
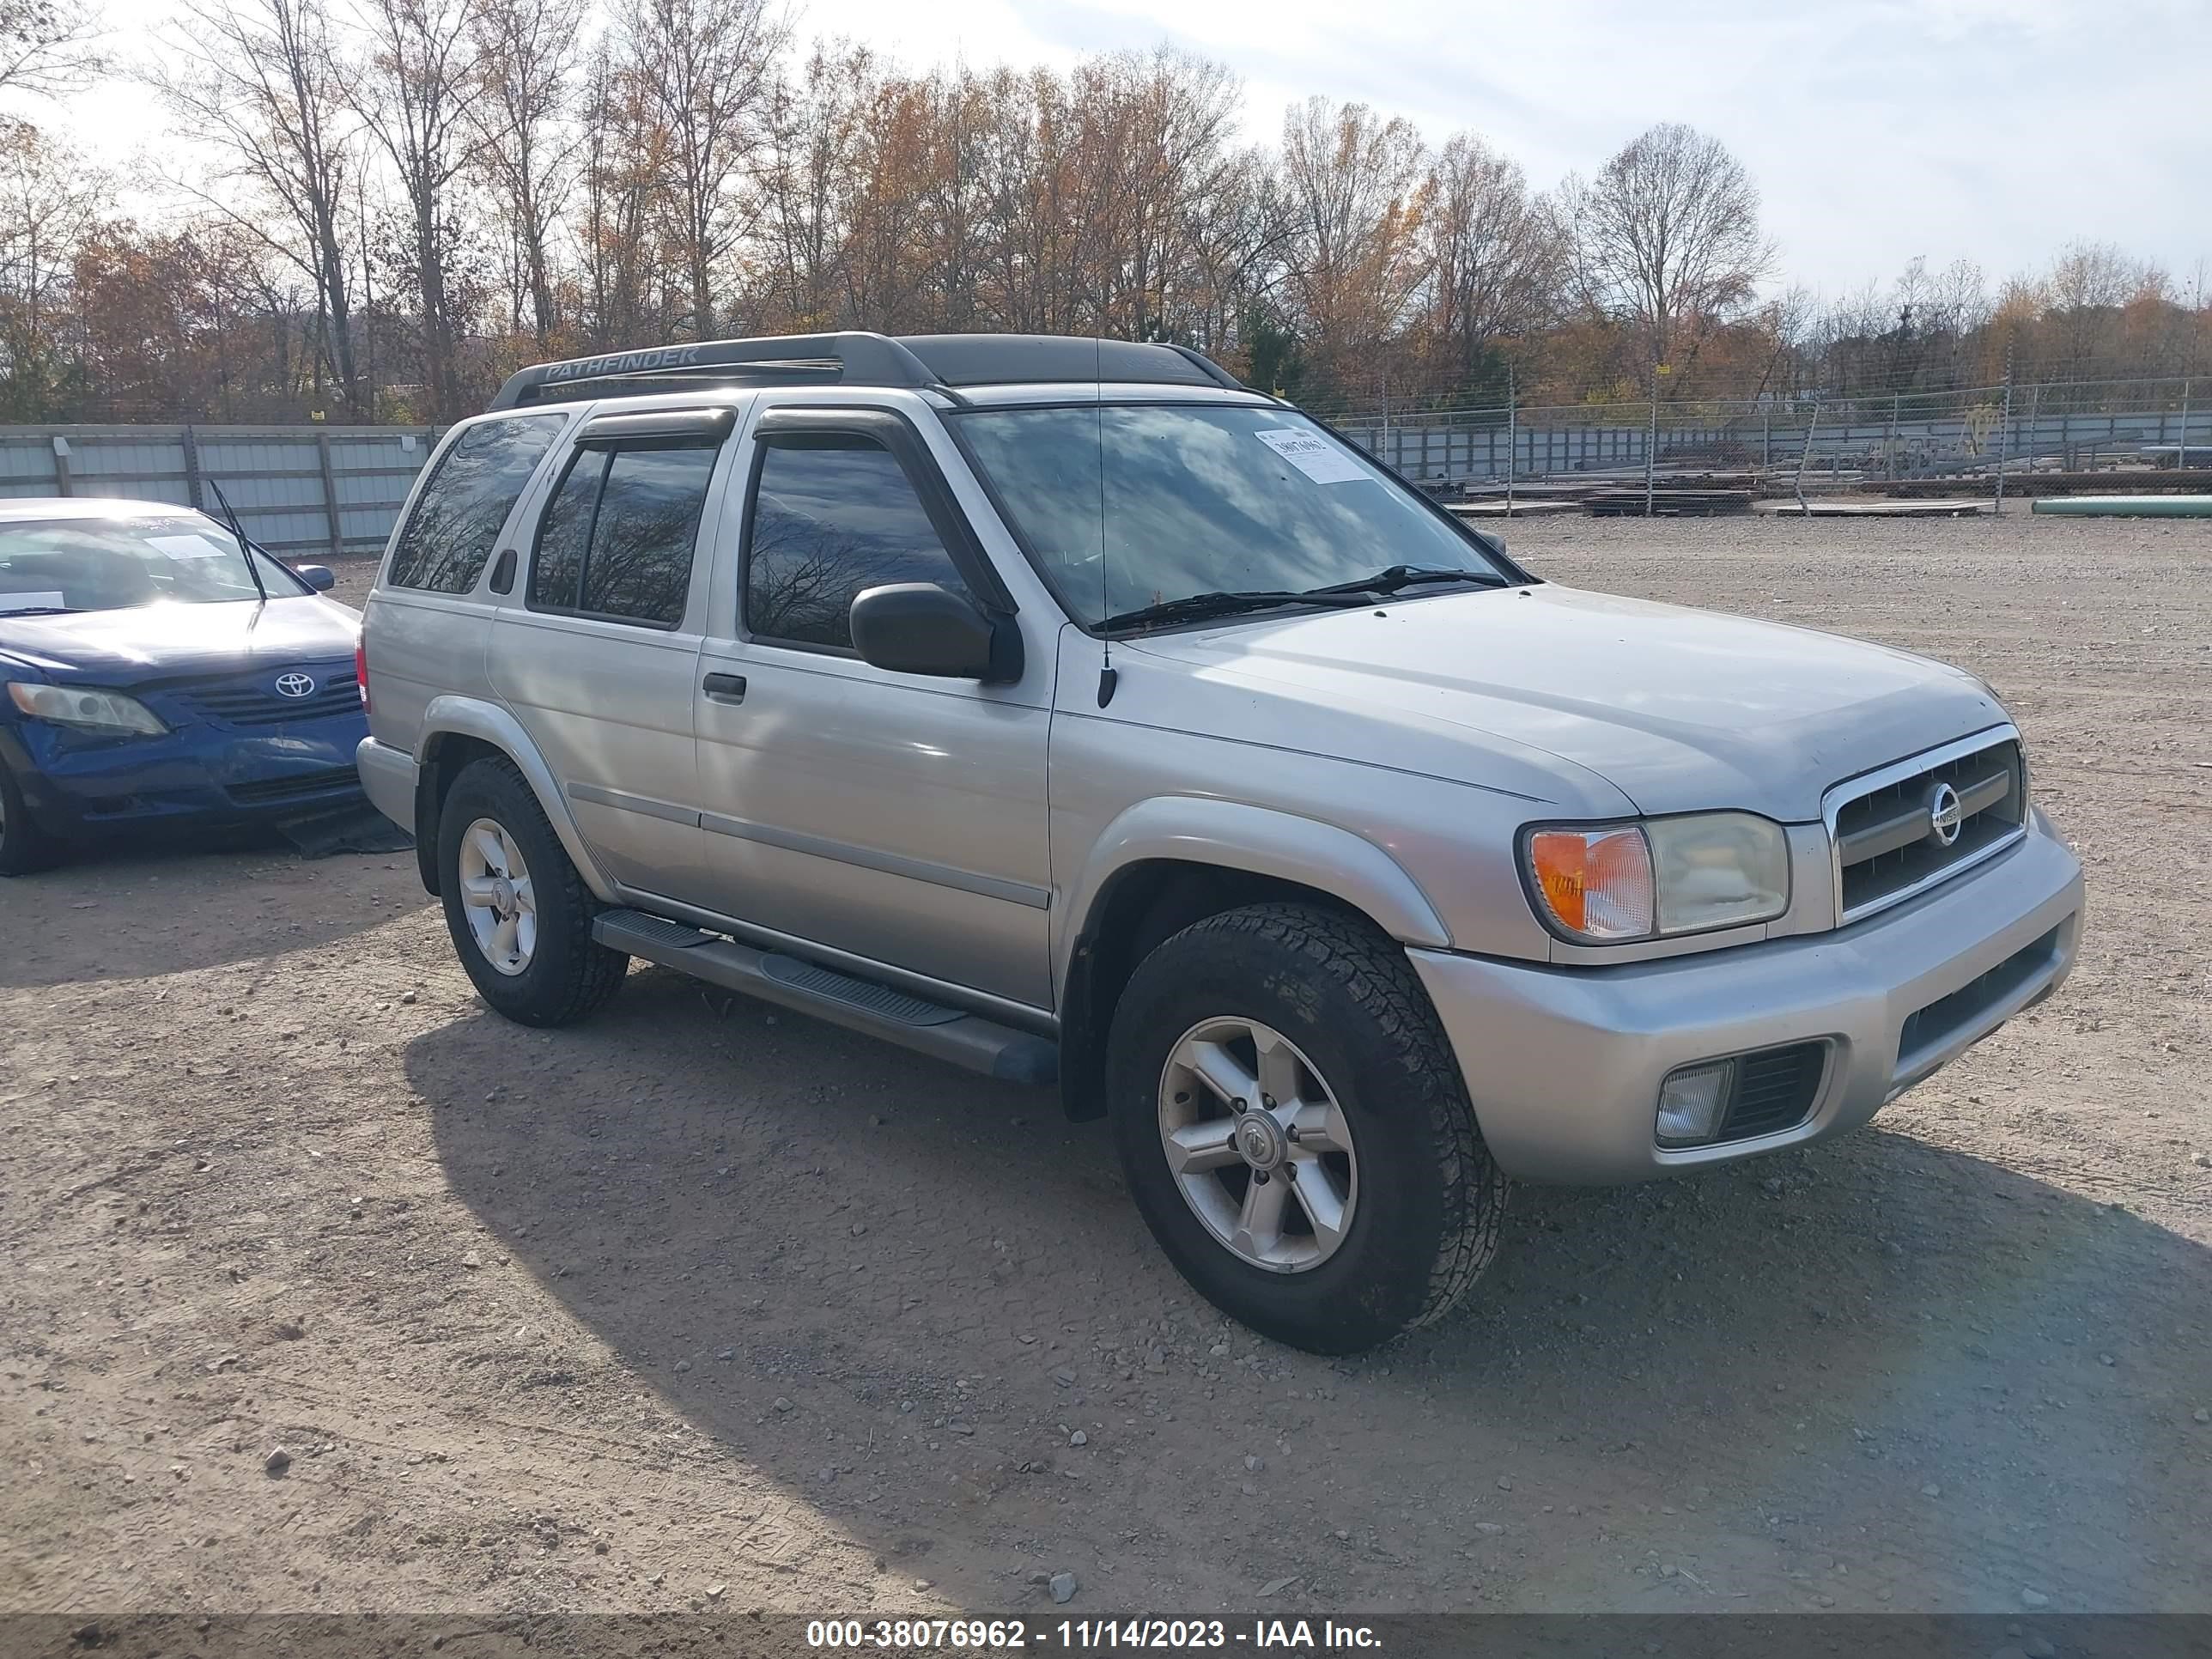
(1357,192)
(1493,256)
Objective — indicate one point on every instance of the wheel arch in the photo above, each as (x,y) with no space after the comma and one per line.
(1167,863)
(457,731)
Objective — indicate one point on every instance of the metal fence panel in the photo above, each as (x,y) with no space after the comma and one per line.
(301,491)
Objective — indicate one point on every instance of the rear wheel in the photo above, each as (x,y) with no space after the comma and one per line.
(24,847)
(1295,1129)
(520,915)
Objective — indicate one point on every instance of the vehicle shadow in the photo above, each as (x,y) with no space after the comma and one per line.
(892,1290)
(138,911)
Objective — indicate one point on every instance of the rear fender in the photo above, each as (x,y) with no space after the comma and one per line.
(448,717)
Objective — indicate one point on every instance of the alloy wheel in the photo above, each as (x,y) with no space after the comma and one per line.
(497,897)
(1257,1144)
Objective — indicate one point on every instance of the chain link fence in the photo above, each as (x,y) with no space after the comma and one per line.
(1973,436)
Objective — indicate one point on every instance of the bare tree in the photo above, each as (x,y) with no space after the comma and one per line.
(818,149)
(49,202)
(1667,236)
(48,48)
(416,95)
(625,160)
(256,79)
(705,69)
(527,59)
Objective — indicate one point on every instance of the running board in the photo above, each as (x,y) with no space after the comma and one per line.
(860,1004)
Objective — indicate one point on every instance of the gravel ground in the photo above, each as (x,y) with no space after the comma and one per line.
(704,1305)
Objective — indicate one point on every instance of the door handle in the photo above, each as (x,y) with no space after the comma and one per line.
(725,688)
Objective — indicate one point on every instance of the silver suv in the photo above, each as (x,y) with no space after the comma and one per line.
(1064,709)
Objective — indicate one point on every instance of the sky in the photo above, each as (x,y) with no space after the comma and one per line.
(1878,130)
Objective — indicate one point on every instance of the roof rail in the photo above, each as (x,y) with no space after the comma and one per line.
(936,361)
(853,358)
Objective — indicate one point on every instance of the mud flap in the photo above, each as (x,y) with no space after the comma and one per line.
(359,828)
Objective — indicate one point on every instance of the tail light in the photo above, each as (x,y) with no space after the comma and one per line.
(361,670)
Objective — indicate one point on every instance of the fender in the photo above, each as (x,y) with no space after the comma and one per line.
(473,717)
(1198,829)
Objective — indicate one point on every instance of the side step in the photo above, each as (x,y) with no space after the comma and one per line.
(964,1039)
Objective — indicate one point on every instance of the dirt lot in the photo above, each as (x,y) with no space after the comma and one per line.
(703,1296)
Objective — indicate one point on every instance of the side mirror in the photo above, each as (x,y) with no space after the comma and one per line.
(920,628)
(317,577)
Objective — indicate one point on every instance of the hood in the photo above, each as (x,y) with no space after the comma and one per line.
(1680,710)
(144,643)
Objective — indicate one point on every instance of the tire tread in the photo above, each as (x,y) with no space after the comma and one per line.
(1374,974)
(593,972)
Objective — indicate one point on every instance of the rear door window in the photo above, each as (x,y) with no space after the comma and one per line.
(448,537)
(618,539)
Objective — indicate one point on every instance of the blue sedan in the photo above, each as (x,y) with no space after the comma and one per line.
(152,677)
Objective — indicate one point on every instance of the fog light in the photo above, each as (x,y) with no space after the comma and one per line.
(1691,1102)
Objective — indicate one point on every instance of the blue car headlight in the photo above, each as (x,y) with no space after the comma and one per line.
(85,710)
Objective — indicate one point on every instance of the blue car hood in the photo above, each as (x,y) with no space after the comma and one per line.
(154,642)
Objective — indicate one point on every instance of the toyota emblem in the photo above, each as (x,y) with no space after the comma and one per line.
(295,686)
(1944,815)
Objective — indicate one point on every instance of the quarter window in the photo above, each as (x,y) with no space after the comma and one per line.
(833,515)
(457,518)
(618,536)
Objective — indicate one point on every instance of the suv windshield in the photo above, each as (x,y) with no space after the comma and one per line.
(1130,507)
(49,565)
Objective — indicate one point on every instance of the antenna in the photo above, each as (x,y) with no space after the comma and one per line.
(1109,676)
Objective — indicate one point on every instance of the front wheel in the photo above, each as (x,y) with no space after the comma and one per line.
(520,915)
(1295,1129)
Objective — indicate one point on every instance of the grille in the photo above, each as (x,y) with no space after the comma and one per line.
(299,787)
(255,702)
(1887,847)
(1775,1088)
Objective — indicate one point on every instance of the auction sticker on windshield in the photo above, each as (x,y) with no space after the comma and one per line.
(1320,460)
(187,547)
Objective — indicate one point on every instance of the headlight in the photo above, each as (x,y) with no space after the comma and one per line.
(87,711)
(1604,883)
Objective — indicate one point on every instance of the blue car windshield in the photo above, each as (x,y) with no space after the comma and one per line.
(55,565)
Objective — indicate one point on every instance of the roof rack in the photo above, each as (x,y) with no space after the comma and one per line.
(935,361)
(855,358)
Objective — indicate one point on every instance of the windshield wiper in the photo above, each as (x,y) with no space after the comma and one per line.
(39,610)
(245,547)
(1399,576)
(1197,607)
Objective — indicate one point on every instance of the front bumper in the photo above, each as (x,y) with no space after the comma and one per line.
(76,784)
(1563,1065)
